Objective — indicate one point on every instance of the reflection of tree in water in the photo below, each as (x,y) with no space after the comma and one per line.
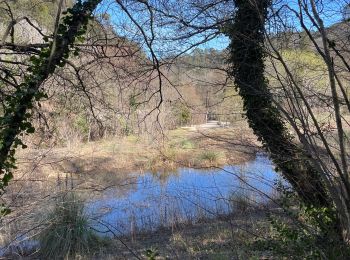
(241,197)
(164,175)
(113,184)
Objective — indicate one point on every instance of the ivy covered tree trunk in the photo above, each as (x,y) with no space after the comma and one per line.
(247,60)
(16,118)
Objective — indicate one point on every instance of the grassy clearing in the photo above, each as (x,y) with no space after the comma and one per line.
(177,148)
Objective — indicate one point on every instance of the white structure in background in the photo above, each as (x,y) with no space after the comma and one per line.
(210,124)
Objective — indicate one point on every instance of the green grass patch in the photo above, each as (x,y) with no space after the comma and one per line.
(133,138)
(187,144)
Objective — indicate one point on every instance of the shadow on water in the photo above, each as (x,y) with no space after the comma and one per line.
(185,196)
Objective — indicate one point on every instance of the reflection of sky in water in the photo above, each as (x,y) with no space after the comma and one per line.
(188,195)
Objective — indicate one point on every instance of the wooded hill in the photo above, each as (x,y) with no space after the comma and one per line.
(110,88)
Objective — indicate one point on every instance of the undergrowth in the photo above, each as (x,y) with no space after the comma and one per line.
(68,233)
(302,231)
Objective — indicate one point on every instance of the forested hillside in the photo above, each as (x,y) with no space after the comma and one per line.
(102,93)
(194,129)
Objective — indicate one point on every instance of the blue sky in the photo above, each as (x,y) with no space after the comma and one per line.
(331,13)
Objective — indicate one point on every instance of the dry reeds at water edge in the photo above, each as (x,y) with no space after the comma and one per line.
(67,233)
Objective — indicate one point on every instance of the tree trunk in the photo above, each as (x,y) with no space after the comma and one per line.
(16,117)
(247,60)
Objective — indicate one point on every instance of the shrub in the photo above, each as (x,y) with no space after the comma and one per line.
(82,125)
(68,232)
(182,113)
(302,232)
(210,156)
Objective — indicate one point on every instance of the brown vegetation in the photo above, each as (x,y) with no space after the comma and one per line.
(178,148)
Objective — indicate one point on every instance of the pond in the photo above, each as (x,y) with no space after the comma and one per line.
(126,204)
(153,200)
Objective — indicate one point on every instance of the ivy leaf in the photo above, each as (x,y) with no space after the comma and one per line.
(4,210)
(7,177)
(30,130)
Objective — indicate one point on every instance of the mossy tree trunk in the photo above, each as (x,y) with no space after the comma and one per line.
(16,117)
(247,60)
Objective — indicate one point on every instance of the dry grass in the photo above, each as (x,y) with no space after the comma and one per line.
(67,232)
(229,238)
(177,148)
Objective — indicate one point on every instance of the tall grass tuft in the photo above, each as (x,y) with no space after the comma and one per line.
(67,233)
(210,157)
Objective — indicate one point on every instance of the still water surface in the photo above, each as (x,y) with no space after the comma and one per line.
(153,200)
(144,202)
